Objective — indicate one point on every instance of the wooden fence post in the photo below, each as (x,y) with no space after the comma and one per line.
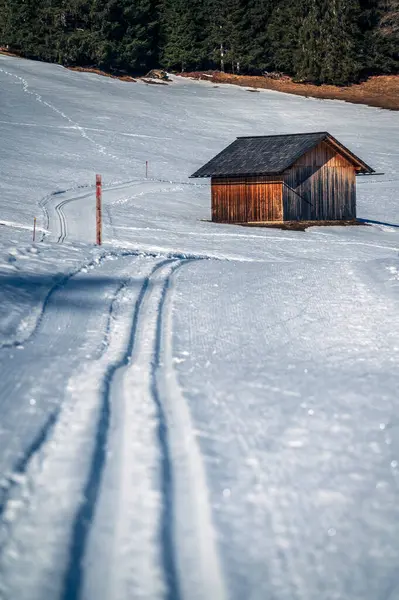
(98,210)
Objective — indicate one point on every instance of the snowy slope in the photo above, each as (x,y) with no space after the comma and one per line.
(194,410)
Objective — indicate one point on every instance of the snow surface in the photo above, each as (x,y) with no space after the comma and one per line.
(193,410)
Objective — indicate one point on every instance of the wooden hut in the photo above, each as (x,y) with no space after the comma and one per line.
(296,177)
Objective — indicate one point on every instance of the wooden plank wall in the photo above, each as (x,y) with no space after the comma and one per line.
(239,200)
(320,186)
(297,194)
(228,200)
(322,155)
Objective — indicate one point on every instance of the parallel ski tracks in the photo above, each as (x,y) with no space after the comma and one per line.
(62,221)
(58,207)
(178,474)
(84,517)
(187,549)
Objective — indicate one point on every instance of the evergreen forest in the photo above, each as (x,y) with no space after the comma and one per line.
(320,41)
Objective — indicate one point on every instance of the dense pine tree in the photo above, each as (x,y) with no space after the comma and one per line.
(328,49)
(257,53)
(126,33)
(226,31)
(181,36)
(380,27)
(283,34)
(20,27)
(334,41)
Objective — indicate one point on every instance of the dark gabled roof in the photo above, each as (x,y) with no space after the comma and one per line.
(271,155)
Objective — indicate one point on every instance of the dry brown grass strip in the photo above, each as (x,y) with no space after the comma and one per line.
(303,225)
(381,91)
(102,73)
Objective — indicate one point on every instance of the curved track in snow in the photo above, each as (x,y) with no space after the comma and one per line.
(80,222)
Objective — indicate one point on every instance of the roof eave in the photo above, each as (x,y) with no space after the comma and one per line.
(362,167)
(368,171)
(222,175)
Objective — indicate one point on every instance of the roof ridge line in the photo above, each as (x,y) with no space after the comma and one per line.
(243,137)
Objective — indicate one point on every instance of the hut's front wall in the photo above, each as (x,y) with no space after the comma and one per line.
(323,155)
(320,186)
(246,199)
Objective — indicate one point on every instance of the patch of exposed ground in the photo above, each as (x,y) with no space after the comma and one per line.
(303,225)
(103,73)
(8,52)
(381,91)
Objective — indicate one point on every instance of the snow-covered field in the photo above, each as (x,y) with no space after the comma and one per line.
(192,411)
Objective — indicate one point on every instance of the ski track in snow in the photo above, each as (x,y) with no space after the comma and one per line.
(84,516)
(188,570)
(54,453)
(197,556)
(39,98)
(20,468)
(51,201)
(189,558)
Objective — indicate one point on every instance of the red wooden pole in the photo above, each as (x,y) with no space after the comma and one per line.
(34,228)
(98,210)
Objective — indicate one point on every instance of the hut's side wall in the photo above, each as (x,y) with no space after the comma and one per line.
(228,200)
(320,186)
(245,199)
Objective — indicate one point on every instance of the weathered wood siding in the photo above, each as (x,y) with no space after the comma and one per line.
(322,156)
(245,199)
(320,186)
(229,200)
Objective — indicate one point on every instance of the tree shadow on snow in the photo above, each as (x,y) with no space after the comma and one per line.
(78,292)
